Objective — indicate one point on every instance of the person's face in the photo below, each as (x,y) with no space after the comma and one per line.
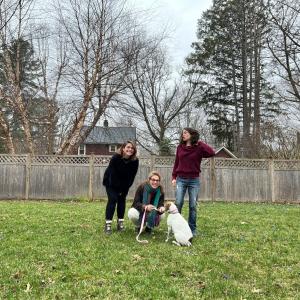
(154,181)
(186,136)
(128,150)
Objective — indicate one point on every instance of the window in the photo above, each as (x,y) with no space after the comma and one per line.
(112,148)
(81,149)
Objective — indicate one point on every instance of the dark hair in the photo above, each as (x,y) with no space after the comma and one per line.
(121,149)
(194,135)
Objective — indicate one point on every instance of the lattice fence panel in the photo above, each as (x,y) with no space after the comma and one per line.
(241,163)
(145,161)
(164,160)
(60,160)
(13,159)
(205,163)
(286,164)
(102,160)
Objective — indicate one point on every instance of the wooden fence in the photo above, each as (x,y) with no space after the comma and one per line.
(69,177)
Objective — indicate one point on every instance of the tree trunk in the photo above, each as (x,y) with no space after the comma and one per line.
(7,135)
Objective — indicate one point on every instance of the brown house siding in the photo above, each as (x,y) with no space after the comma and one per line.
(98,149)
(223,153)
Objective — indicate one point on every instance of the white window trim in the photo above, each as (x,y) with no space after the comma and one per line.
(110,148)
(84,150)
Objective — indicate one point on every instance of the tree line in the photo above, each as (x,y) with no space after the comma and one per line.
(65,69)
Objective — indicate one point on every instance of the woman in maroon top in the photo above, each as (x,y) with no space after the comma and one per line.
(186,171)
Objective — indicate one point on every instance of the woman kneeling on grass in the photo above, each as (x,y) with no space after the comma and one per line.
(117,179)
(149,196)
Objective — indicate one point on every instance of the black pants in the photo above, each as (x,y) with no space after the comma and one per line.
(115,199)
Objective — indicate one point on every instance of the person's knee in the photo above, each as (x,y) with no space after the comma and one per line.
(133,215)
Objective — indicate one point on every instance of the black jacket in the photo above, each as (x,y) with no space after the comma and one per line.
(138,199)
(120,173)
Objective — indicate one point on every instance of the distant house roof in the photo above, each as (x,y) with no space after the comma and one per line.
(224,149)
(111,135)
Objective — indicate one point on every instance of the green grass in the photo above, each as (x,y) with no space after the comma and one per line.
(57,250)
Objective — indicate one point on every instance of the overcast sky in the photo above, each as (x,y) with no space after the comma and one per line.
(180,16)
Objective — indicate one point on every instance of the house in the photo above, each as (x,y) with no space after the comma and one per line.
(106,140)
(225,153)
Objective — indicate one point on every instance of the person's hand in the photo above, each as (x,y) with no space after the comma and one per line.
(174,182)
(161,210)
(150,207)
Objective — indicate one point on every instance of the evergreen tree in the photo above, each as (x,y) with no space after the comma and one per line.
(228,55)
(18,59)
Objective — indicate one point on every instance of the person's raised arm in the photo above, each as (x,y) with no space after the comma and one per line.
(206,150)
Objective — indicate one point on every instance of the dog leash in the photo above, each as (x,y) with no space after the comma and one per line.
(142,226)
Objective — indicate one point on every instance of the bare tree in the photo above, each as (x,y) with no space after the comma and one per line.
(13,20)
(52,73)
(7,136)
(280,142)
(8,8)
(101,38)
(156,98)
(284,44)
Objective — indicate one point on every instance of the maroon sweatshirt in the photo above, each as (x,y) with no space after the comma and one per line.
(188,159)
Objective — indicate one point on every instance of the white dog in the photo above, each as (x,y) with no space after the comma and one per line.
(178,225)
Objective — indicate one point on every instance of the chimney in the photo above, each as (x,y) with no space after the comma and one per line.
(105,123)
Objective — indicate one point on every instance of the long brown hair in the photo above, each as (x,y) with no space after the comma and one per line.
(194,135)
(121,149)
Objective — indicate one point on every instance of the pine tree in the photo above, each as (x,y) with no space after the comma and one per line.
(228,55)
(18,60)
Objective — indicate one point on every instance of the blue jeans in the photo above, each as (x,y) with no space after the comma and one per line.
(193,187)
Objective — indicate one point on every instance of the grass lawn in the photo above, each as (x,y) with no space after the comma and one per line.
(57,250)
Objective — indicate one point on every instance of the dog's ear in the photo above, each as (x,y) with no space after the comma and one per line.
(167,205)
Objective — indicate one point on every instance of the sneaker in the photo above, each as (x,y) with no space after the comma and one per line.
(107,228)
(120,225)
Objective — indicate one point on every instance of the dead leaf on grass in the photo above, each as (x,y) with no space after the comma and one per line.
(85,225)
(201,285)
(50,280)
(136,257)
(28,288)
(17,275)
(257,291)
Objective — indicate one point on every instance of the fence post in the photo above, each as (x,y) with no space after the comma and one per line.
(27,175)
(271,181)
(213,179)
(152,162)
(91,177)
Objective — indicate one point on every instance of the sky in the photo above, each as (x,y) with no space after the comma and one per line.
(180,17)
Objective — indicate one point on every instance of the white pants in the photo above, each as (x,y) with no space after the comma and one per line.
(134,216)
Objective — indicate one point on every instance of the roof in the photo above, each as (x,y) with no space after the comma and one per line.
(227,151)
(111,135)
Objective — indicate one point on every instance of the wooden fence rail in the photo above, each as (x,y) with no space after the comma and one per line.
(69,177)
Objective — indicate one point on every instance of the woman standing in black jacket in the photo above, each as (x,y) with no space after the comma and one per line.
(117,179)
